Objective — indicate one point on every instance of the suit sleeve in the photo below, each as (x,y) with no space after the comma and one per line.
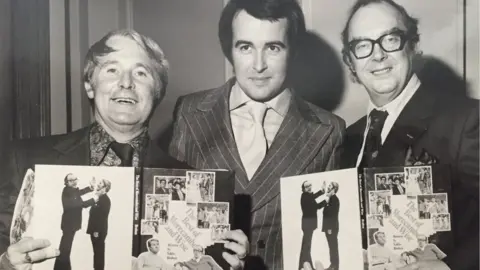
(70,201)
(177,144)
(338,137)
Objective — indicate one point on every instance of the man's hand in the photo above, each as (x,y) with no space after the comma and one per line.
(27,251)
(426,265)
(92,183)
(237,242)
(95,234)
(318,266)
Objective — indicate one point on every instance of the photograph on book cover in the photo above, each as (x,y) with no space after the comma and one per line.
(196,215)
(321,220)
(403,227)
(81,210)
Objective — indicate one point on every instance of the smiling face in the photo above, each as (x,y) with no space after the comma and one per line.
(260,54)
(384,74)
(123,86)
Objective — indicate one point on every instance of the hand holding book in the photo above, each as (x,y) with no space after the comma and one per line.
(27,251)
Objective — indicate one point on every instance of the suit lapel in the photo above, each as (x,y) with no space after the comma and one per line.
(215,140)
(75,149)
(298,141)
(353,142)
(409,127)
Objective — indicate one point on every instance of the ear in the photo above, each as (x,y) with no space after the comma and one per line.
(89,90)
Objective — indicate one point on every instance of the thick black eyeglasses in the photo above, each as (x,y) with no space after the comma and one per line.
(392,42)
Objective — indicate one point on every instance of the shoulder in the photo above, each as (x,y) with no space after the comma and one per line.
(46,142)
(189,103)
(358,127)
(323,115)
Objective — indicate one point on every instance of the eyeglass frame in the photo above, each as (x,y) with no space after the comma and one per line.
(404,37)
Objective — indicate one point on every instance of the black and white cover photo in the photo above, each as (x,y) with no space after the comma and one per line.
(85,212)
(321,220)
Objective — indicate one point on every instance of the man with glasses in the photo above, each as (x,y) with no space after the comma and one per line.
(408,119)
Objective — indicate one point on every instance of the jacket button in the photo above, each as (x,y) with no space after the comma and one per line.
(261,244)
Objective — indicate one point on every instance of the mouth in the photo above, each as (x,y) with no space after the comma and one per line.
(124,101)
(381,71)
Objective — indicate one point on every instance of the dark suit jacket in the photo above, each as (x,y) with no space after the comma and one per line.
(309,210)
(67,149)
(446,126)
(72,207)
(98,218)
(175,196)
(330,214)
(308,140)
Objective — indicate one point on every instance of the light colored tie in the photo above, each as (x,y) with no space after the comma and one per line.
(255,152)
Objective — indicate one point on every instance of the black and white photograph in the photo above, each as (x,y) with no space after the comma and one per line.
(316,217)
(217,230)
(86,209)
(418,180)
(200,187)
(379,203)
(149,227)
(157,207)
(374,221)
(160,184)
(390,181)
(441,222)
(429,205)
(212,213)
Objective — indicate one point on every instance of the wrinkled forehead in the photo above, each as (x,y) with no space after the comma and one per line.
(375,20)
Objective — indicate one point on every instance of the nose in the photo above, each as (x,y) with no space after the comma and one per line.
(259,64)
(126,81)
(378,53)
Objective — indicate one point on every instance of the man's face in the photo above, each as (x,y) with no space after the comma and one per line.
(72,181)
(123,86)
(260,54)
(154,247)
(100,185)
(308,187)
(422,241)
(162,184)
(384,74)
(381,239)
(383,180)
(177,186)
(330,187)
(197,253)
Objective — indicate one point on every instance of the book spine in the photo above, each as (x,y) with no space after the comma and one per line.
(137,214)
(363,215)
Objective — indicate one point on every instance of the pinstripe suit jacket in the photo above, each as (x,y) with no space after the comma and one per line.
(308,140)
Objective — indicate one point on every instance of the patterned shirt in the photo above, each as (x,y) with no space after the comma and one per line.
(102,155)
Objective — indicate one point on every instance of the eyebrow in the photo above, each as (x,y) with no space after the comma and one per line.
(112,62)
(386,32)
(270,43)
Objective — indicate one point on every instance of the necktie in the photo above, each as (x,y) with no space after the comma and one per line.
(373,141)
(254,155)
(124,151)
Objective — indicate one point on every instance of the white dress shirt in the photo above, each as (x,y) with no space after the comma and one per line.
(242,121)
(394,108)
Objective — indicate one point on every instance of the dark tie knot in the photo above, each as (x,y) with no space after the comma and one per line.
(378,116)
(124,151)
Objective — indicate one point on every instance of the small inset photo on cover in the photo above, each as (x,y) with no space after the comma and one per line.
(429,205)
(200,187)
(418,180)
(217,230)
(379,203)
(148,227)
(441,222)
(390,181)
(212,213)
(375,221)
(156,207)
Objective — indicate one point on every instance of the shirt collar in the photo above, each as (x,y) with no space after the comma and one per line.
(279,104)
(396,106)
(100,142)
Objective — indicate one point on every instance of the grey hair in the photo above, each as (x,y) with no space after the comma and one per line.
(154,52)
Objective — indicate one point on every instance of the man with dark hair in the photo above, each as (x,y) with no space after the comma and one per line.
(125,78)
(255,124)
(409,121)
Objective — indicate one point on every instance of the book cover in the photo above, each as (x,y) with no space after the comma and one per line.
(83,211)
(86,212)
(179,216)
(321,220)
(407,215)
